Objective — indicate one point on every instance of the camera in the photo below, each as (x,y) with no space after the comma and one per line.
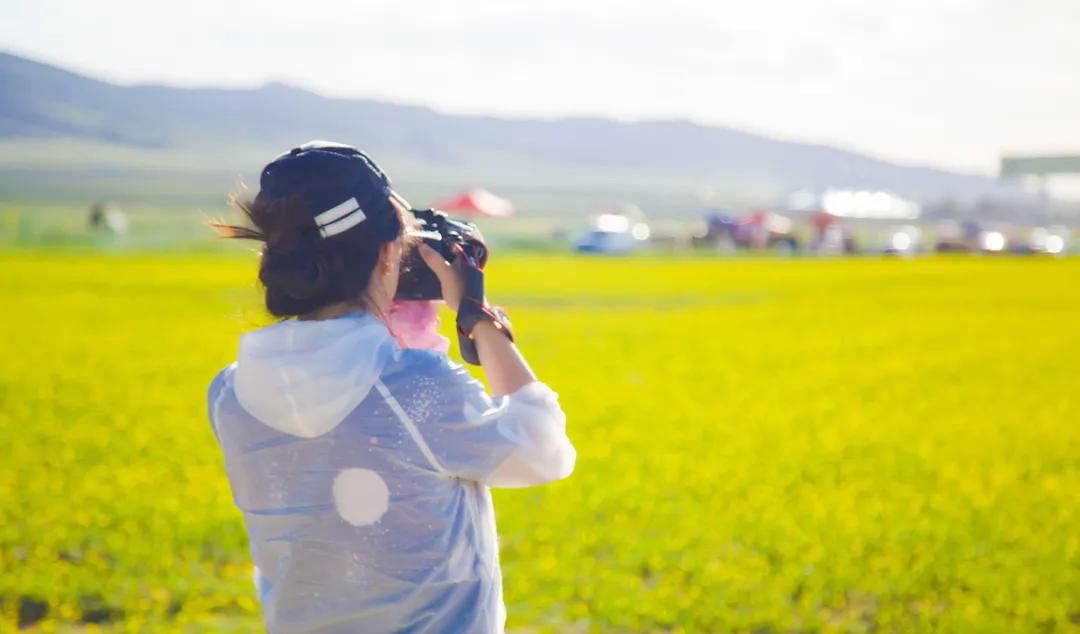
(446,235)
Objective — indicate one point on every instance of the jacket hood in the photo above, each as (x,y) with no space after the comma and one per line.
(304,377)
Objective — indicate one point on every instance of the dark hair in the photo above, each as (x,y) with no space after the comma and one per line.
(300,269)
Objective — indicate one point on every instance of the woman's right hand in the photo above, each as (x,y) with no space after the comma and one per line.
(451,276)
(504,367)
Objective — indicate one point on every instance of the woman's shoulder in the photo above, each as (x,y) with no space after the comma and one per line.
(429,374)
(418,362)
(221,380)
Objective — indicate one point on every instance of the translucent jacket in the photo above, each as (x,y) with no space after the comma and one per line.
(362,471)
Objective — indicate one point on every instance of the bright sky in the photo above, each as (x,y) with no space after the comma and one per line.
(953,83)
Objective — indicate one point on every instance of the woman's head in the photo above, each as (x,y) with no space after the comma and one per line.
(333,230)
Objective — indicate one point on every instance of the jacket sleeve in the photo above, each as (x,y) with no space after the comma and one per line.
(214,394)
(517,440)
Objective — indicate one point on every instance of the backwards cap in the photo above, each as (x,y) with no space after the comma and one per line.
(340,185)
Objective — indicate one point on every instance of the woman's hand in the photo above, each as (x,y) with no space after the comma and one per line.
(451,276)
(505,368)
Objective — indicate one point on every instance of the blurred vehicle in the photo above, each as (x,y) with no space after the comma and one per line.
(1052,241)
(992,242)
(832,213)
(717,232)
(831,235)
(619,230)
(763,229)
(954,237)
(903,240)
(999,238)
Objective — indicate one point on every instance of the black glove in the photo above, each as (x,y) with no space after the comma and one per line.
(474,307)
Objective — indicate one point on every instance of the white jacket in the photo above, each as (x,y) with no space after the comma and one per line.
(363,470)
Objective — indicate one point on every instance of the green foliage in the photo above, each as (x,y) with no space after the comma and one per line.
(766,446)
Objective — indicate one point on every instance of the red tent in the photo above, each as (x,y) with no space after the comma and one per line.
(476,201)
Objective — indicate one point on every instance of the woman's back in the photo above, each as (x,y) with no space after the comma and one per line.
(362,471)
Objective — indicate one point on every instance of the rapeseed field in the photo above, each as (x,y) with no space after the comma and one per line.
(763,445)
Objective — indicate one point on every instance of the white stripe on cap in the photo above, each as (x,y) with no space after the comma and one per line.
(340,218)
(346,223)
(336,212)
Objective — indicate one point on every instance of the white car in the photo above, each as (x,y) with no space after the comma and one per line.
(613,233)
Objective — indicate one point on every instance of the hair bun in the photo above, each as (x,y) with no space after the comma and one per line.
(299,273)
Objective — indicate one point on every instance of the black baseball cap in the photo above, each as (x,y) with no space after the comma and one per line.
(340,185)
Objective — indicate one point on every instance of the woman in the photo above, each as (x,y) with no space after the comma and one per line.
(362,469)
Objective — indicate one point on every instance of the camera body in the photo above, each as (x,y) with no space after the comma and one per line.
(446,235)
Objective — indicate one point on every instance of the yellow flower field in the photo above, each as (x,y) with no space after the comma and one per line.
(764,445)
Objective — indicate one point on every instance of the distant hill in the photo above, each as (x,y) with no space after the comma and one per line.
(66,136)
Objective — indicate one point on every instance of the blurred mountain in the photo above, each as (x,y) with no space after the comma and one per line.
(62,134)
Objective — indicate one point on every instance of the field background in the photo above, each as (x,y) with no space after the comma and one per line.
(764,445)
